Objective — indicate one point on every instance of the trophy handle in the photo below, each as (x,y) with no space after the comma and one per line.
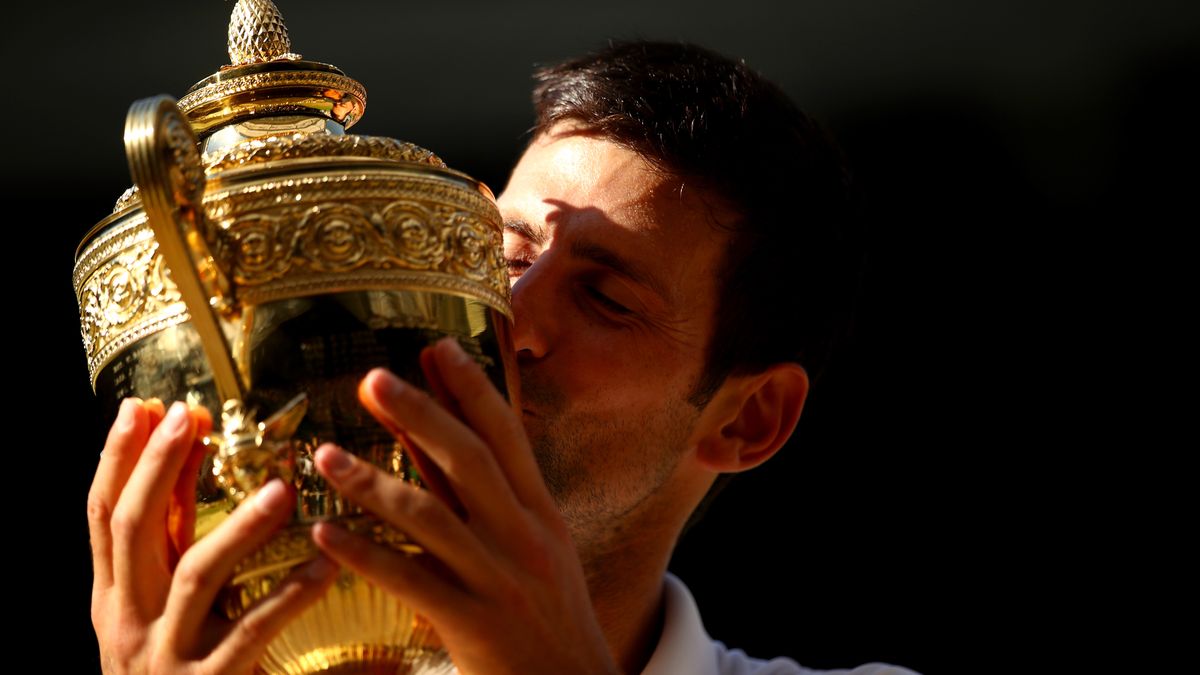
(165,166)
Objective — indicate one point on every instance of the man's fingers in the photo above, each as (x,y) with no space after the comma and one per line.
(125,441)
(491,416)
(181,523)
(249,635)
(468,464)
(181,516)
(210,562)
(396,573)
(416,512)
(140,565)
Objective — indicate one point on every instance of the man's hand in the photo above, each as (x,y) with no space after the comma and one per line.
(153,590)
(501,581)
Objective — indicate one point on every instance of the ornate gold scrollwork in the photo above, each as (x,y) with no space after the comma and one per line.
(387,231)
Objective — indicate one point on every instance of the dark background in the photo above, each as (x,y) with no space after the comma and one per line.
(911,514)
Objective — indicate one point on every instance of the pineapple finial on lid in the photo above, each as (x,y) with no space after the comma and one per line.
(257,34)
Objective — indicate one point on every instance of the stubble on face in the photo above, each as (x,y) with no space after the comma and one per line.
(603,470)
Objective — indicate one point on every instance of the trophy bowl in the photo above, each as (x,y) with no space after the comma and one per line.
(265,261)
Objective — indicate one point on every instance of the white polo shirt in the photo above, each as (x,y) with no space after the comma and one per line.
(686,649)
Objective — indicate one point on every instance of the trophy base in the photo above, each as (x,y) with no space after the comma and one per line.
(367,659)
(357,629)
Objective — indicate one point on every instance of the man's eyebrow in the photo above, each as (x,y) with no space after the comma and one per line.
(610,259)
(523,228)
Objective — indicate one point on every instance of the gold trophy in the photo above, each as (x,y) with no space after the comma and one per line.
(264,261)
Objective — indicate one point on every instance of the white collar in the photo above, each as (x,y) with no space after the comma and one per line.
(684,646)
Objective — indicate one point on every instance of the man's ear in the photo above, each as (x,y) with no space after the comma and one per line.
(751,417)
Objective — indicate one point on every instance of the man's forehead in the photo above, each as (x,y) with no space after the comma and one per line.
(578,168)
(649,231)
(575,177)
(601,198)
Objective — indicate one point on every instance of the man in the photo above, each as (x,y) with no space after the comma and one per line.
(673,233)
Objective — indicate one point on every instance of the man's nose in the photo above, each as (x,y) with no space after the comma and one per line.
(533,312)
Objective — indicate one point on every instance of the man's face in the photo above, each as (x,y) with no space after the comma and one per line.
(614,270)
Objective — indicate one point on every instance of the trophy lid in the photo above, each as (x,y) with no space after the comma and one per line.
(270,104)
(267,89)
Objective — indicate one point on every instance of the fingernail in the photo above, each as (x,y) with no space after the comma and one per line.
(335,460)
(319,569)
(156,404)
(125,416)
(458,356)
(388,385)
(330,533)
(270,497)
(177,417)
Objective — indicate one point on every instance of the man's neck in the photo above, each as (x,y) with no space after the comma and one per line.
(625,565)
(629,607)
(625,579)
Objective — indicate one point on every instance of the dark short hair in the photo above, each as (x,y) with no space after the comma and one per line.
(789,275)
